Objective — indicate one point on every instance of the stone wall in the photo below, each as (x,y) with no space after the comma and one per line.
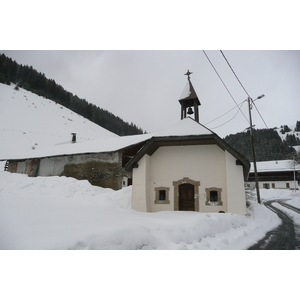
(100,169)
(104,174)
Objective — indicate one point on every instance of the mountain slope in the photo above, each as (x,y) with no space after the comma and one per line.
(36,82)
(29,122)
(270,144)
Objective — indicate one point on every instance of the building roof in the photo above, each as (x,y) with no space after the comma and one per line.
(189,95)
(69,148)
(274,166)
(185,127)
(187,132)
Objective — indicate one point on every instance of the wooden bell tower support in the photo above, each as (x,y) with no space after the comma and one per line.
(189,100)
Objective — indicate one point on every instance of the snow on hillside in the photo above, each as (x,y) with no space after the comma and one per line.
(293,131)
(29,122)
(65,213)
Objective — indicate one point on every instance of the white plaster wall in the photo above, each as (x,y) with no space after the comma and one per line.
(204,163)
(140,185)
(235,186)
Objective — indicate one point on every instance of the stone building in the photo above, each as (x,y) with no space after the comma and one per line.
(100,162)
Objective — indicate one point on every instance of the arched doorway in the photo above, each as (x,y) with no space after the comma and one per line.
(186,194)
(186,197)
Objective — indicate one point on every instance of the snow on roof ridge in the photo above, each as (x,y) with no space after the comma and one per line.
(186,126)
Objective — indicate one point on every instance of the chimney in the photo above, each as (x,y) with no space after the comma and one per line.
(73,137)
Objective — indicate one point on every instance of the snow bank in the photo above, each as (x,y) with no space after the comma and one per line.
(64,213)
(272,194)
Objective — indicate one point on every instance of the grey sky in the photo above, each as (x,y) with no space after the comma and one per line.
(143,87)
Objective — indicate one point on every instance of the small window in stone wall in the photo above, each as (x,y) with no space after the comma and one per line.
(213,197)
(162,195)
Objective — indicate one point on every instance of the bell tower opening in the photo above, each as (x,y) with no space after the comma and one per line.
(189,100)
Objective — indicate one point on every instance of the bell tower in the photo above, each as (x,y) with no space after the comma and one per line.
(189,100)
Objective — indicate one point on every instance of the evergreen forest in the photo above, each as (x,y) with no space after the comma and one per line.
(28,78)
(268,144)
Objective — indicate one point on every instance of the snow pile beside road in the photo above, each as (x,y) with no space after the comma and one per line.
(65,213)
(273,194)
(295,200)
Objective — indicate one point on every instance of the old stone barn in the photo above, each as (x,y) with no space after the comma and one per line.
(100,162)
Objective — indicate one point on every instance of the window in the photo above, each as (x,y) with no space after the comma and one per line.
(266,185)
(287,185)
(162,195)
(213,196)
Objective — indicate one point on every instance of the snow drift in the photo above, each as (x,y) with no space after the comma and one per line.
(65,213)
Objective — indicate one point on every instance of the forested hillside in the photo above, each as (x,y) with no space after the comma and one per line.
(268,143)
(31,80)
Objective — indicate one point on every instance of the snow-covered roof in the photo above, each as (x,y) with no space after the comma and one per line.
(274,166)
(96,146)
(186,91)
(186,127)
(189,94)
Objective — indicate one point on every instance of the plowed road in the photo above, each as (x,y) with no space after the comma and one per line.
(286,236)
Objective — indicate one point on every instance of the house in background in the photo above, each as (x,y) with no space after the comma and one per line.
(279,174)
(101,162)
(189,168)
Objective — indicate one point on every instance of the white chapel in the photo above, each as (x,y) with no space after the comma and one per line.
(188,168)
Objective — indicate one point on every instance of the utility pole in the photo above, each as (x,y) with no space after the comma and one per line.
(294,173)
(252,146)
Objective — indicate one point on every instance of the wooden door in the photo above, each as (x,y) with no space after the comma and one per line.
(186,197)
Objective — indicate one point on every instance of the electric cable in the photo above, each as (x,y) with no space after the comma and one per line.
(225,85)
(230,119)
(260,114)
(234,73)
(224,113)
(243,87)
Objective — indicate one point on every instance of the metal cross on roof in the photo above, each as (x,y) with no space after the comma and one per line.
(188,73)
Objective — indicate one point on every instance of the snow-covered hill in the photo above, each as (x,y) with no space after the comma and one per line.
(292,132)
(29,122)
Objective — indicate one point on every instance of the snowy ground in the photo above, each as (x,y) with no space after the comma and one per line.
(64,213)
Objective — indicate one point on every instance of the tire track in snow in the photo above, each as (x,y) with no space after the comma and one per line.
(282,237)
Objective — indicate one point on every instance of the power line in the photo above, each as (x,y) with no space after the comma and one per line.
(260,114)
(243,87)
(224,85)
(234,73)
(225,113)
(230,119)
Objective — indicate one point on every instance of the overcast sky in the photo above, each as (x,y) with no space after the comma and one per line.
(143,87)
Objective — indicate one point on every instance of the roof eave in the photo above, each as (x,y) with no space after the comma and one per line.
(150,148)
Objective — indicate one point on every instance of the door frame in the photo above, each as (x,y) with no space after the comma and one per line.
(196,185)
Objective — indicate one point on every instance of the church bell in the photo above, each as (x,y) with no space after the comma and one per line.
(190,111)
